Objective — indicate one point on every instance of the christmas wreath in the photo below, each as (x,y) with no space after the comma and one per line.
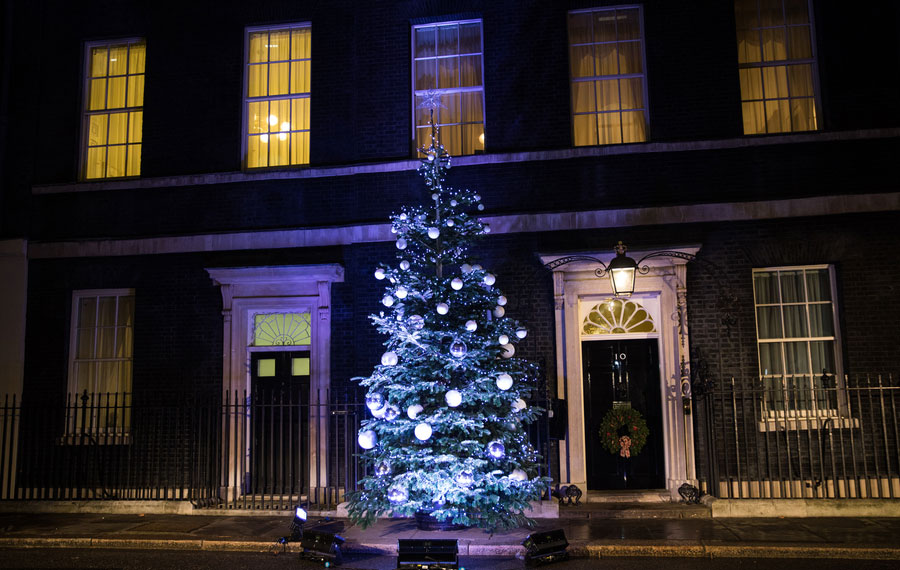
(623,431)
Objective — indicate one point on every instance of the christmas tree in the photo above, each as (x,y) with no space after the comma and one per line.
(448,401)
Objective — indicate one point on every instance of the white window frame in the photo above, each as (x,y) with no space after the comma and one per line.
(246,99)
(122,400)
(802,413)
(415,92)
(86,113)
(642,75)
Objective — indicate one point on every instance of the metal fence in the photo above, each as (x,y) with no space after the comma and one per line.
(233,451)
(796,437)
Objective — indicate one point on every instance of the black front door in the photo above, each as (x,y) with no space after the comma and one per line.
(622,373)
(279,422)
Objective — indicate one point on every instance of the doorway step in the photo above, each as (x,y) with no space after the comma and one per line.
(643,504)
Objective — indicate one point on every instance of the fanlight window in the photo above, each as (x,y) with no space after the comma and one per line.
(615,316)
(281,329)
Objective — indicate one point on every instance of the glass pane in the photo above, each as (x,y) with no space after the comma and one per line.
(425,38)
(473,138)
(754,118)
(470,38)
(97,95)
(426,74)
(97,130)
(801,47)
(751,83)
(800,77)
(584,130)
(628,24)
(607,59)
(448,40)
(748,46)
(580,28)
(792,286)
(778,116)
(631,92)
(85,372)
(796,11)
(257,80)
(137,53)
(821,320)
(84,343)
(300,77)
(770,358)
(803,114)
(610,129)
(818,284)
(774,44)
(448,72)
(278,78)
(745,14)
(470,71)
(775,82)
(134,160)
(452,139)
(300,114)
(115,165)
(796,358)
(634,127)
(581,61)
(630,58)
(98,61)
(279,115)
(449,114)
(300,148)
(583,97)
(106,311)
(96,163)
(257,151)
(471,107)
(768,322)
(118,127)
(258,51)
(608,95)
(300,43)
(765,285)
(605,26)
(135,126)
(265,367)
(106,342)
(279,45)
(795,321)
(258,117)
(822,356)
(118,60)
(115,97)
(135,90)
(771,13)
(300,366)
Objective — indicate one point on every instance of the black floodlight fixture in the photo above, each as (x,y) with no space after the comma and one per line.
(545,547)
(427,554)
(321,546)
(296,532)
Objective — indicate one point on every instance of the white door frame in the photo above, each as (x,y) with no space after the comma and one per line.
(575,283)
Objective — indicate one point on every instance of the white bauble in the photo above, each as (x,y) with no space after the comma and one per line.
(465,268)
(379,412)
(518,475)
(453,397)
(367,439)
(471,326)
(521,332)
(387,301)
(456,284)
(393,230)
(480,207)
(503,339)
(450,223)
(434,196)
(519,405)
(504,381)
(501,300)
(487,228)
(401,243)
(507,350)
(414,411)
(401,292)
(389,358)
(416,322)
(454,203)
(433,233)
(403,216)
(397,495)
(499,311)
(379,274)
(423,431)
(489,279)
(404,265)
(443,308)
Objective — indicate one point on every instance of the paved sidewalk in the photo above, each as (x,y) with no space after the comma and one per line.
(594,536)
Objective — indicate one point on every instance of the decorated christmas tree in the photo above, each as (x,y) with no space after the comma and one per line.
(448,403)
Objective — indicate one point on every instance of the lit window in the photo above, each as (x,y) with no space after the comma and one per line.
(606,61)
(100,357)
(114,109)
(277,96)
(777,66)
(797,338)
(447,62)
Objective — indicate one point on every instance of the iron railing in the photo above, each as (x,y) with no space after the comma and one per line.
(783,438)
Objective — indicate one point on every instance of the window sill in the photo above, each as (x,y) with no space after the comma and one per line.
(825,421)
(95,439)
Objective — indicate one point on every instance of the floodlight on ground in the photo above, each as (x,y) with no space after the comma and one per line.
(545,547)
(321,546)
(426,554)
